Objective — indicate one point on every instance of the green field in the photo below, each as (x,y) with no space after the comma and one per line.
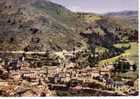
(100,49)
(131,54)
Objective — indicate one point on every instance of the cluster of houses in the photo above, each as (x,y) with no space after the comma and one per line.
(57,77)
(97,75)
(20,72)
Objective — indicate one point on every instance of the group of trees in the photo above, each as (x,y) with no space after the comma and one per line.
(111,37)
(122,66)
(112,52)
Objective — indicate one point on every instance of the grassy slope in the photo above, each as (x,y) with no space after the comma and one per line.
(131,53)
(133,56)
(92,18)
(100,49)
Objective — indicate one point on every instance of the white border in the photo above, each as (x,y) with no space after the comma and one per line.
(95,97)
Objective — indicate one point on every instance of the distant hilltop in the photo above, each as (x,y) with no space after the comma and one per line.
(123,13)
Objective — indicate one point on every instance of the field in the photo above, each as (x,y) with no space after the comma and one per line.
(131,54)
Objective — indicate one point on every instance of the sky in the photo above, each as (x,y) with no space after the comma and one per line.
(99,6)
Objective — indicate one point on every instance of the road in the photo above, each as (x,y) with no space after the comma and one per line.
(20,52)
(39,52)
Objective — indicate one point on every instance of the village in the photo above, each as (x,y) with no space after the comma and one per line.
(27,75)
(47,49)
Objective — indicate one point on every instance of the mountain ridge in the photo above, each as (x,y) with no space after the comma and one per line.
(41,24)
(123,13)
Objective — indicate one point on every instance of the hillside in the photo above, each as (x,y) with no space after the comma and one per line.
(105,31)
(123,13)
(131,16)
(89,17)
(37,25)
(40,25)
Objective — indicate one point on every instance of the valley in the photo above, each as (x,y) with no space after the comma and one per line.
(48,50)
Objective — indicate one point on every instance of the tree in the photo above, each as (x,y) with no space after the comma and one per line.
(58,12)
(11,40)
(134,67)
